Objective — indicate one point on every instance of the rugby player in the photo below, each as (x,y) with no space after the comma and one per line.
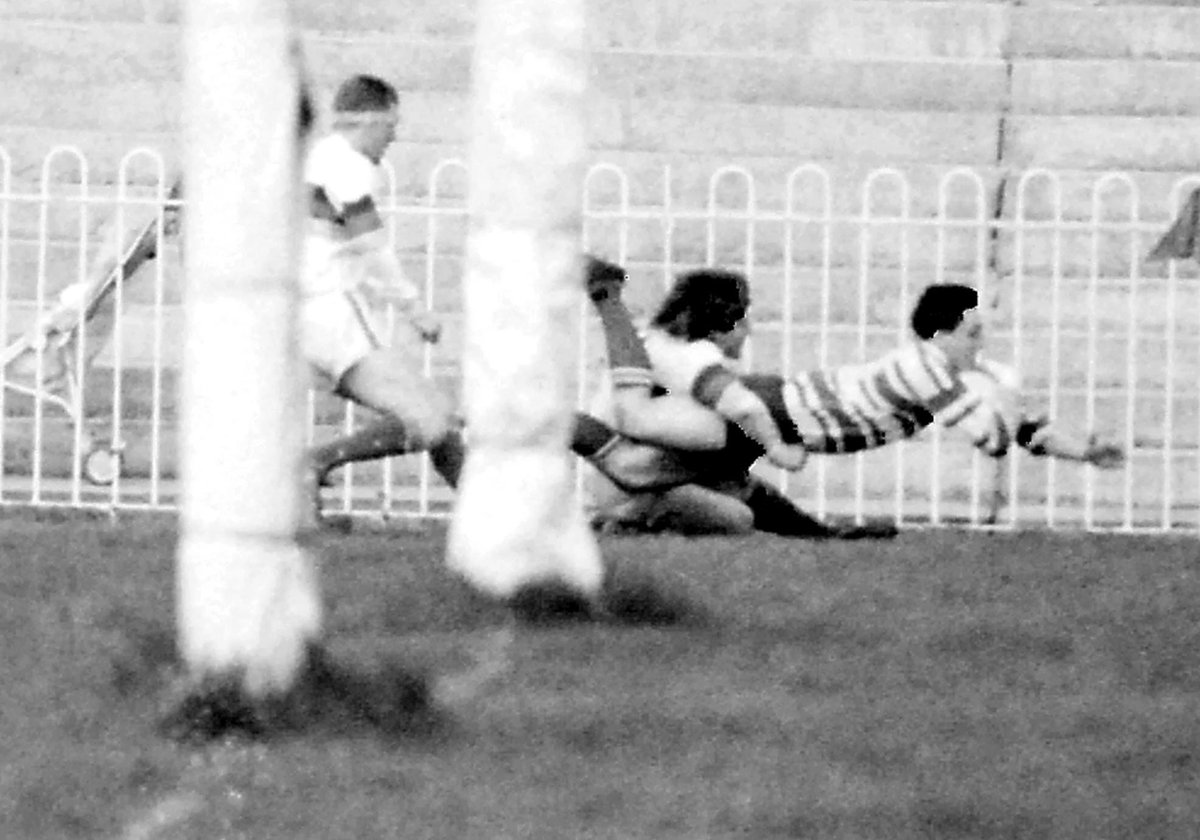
(348,271)
(697,333)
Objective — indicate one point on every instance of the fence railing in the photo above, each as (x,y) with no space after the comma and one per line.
(1103,340)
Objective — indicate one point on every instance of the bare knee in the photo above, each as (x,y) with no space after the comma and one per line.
(415,401)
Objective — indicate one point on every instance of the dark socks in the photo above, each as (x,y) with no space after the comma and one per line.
(775,513)
(589,435)
(385,438)
(627,359)
(381,439)
(448,456)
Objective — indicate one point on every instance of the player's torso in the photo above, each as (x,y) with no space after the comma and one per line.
(993,415)
(863,406)
(335,175)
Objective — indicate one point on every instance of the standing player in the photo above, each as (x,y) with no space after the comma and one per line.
(347,269)
(936,378)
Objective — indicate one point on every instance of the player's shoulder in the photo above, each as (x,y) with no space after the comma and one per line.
(330,150)
(1005,376)
(993,380)
(678,362)
(995,384)
(908,359)
(336,165)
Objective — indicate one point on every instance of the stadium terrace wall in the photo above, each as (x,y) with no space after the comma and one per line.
(1002,86)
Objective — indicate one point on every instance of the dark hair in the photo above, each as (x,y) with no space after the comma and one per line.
(941,307)
(364,93)
(702,303)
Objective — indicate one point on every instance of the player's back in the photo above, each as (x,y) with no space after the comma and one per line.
(862,406)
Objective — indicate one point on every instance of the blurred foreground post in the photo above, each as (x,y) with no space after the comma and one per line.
(517,521)
(247,599)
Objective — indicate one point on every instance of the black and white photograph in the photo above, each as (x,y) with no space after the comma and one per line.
(599,419)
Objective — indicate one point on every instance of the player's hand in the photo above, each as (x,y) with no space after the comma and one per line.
(787,456)
(1105,456)
(427,326)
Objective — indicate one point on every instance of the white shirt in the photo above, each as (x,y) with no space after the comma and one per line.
(340,181)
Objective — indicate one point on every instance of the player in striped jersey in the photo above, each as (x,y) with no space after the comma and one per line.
(835,411)
(939,377)
(348,269)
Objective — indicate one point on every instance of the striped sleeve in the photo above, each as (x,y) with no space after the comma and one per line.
(988,412)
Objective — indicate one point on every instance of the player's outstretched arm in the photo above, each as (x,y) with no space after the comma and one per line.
(1041,437)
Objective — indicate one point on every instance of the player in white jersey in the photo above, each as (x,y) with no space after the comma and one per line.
(678,465)
(348,271)
(939,378)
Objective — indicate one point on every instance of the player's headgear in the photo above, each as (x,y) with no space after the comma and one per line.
(941,308)
(702,303)
(364,93)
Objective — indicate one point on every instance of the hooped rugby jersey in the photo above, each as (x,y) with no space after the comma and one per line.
(863,406)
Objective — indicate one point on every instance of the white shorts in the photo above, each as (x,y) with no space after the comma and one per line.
(337,331)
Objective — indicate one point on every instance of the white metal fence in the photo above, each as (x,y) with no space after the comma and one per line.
(1103,340)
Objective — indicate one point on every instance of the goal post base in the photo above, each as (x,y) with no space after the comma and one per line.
(389,699)
(517,522)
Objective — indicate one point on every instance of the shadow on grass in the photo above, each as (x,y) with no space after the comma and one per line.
(329,698)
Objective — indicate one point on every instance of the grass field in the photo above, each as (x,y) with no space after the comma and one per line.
(947,684)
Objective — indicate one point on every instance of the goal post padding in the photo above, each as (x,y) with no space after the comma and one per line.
(247,598)
(517,518)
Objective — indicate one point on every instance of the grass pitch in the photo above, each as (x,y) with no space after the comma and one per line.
(942,685)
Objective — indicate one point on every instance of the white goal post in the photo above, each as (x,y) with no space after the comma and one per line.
(517,519)
(247,599)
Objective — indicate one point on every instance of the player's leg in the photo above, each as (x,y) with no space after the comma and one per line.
(694,510)
(775,513)
(633,466)
(416,416)
(670,420)
(340,342)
